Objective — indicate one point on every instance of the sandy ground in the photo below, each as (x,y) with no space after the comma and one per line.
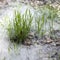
(8,51)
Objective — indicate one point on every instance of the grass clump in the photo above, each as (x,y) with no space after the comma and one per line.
(45,21)
(40,23)
(20,27)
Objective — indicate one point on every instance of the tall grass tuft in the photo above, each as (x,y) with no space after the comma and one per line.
(40,23)
(19,29)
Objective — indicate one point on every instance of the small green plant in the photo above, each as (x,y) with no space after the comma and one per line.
(45,22)
(40,23)
(19,29)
